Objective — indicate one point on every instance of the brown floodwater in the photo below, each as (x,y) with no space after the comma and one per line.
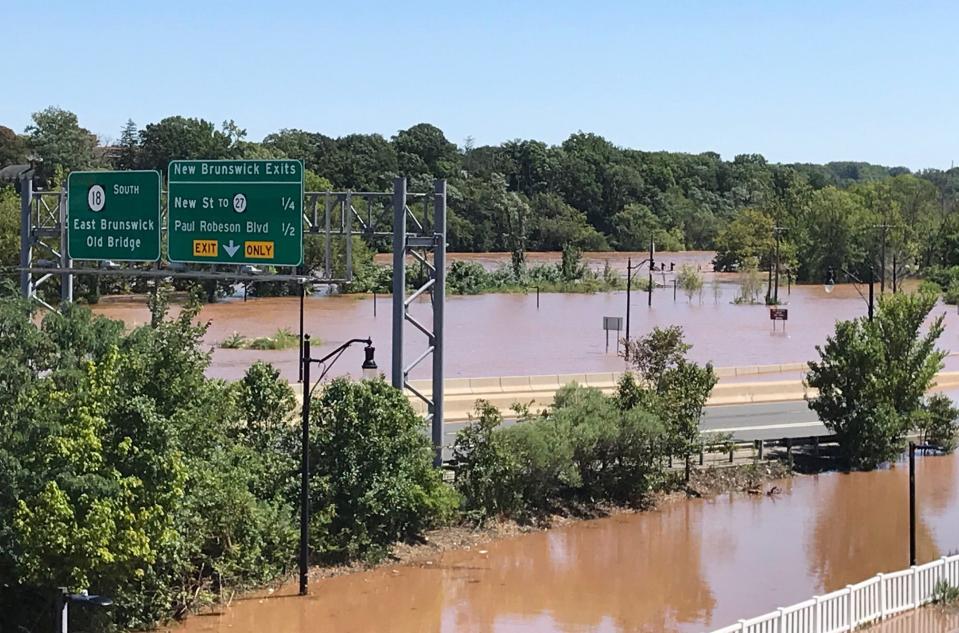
(929,620)
(690,566)
(507,334)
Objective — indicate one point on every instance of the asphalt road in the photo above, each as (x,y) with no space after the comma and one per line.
(746,422)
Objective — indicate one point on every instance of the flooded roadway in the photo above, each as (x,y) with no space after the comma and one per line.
(507,334)
(690,566)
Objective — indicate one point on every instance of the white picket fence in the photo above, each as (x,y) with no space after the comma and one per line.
(877,598)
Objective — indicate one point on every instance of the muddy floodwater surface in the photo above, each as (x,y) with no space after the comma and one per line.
(509,334)
(690,566)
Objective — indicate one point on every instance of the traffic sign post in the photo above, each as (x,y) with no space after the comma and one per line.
(113,215)
(235,212)
(778,314)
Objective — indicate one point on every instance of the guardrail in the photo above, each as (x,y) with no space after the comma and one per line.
(877,598)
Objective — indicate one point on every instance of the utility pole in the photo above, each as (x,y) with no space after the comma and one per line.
(882,253)
(882,271)
(777,231)
(652,263)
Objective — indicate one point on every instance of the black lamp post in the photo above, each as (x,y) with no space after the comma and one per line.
(629,281)
(62,606)
(830,283)
(369,371)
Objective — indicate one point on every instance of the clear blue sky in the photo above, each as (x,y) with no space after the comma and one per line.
(809,80)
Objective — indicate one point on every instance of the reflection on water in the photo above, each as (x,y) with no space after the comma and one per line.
(689,566)
(928,620)
(497,335)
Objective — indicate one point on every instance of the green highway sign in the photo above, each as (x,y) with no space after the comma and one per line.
(236,212)
(113,215)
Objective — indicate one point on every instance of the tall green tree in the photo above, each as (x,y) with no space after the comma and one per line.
(872,376)
(58,141)
(748,236)
(182,138)
(424,149)
(13,149)
(128,155)
(671,385)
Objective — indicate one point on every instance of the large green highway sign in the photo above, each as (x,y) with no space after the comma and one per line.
(113,215)
(236,212)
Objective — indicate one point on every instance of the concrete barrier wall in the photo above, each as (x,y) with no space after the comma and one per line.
(505,391)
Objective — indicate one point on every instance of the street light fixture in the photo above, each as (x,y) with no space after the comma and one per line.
(830,283)
(629,281)
(370,371)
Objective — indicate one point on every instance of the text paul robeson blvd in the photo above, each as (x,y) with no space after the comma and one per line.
(236,212)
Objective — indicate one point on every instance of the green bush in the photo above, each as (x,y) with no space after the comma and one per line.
(951,294)
(484,468)
(283,338)
(466,278)
(586,449)
(235,341)
(373,479)
(615,450)
(938,422)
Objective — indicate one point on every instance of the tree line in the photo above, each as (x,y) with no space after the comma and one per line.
(585,192)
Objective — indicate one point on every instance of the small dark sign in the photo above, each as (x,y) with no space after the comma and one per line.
(778,314)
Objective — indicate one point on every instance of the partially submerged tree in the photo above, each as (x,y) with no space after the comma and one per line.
(675,387)
(690,281)
(872,377)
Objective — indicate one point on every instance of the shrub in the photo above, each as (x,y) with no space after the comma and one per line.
(951,294)
(945,593)
(614,449)
(484,469)
(466,278)
(586,449)
(283,338)
(938,422)
(373,480)
(234,341)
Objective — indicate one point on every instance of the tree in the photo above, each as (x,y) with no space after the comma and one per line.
(60,143)
(836,235)
(749,235)
(373,477)
(361,162)
(424,149)
(750,282)
(634,227)
(13,150)
(128,156)
(553,223)
(181,138)
(124,469)
(690,281)
(675,388)
(872,376)
(9,227)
